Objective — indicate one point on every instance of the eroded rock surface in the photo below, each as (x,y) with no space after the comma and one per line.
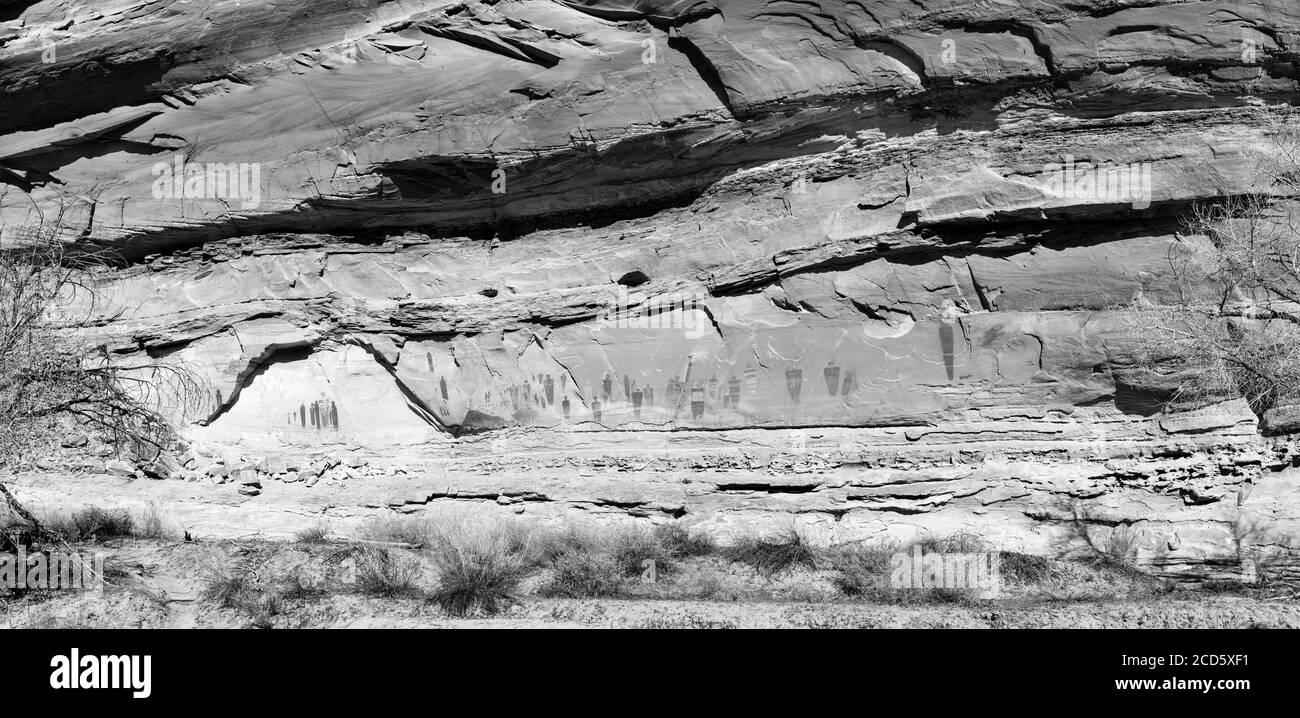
(604,227)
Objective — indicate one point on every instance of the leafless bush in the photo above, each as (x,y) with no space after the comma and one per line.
(50,373)
(1232,326)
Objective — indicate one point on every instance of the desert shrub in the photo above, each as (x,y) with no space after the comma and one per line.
(865,572)
(384,572)
(1023,568)
(397,529)
(959,596)
(860,570)
(316,533)
(703,584)
(92,523)
(1227,326)
(1227,587)
(773,554)
(59,527)
(97,523)
(51,378)
(680,543)
(296,585)
(264,609)
(958,542)
(584,574)
(1121,547)
(517,537)
(551,544)
(230,589)
(152,523)
(632,547)
(481,563)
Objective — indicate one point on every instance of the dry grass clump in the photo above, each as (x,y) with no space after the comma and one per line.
(586,562)
(407,530)
(772,554)
(548,545)
(296,585)
(152,524)
(580,573)
(633,548)
(230,589)
(1024,569)
(865,571)
(1121,547)
(317,533)
(385,572)
(861,571)
(957,542)
(680,543)
(480,565)
(92,523)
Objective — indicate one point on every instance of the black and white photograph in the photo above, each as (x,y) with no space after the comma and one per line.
(661,317)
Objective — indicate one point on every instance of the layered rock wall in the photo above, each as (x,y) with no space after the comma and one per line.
(694,236)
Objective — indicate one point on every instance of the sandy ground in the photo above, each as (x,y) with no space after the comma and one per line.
(159,584)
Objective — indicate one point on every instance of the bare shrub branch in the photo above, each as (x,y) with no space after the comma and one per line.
(51,377)
(1233,328)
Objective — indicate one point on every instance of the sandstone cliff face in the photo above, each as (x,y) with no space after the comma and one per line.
(868,264)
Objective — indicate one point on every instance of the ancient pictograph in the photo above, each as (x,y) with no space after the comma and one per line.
(318,415)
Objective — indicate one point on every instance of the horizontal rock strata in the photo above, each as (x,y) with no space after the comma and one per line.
(868,267)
